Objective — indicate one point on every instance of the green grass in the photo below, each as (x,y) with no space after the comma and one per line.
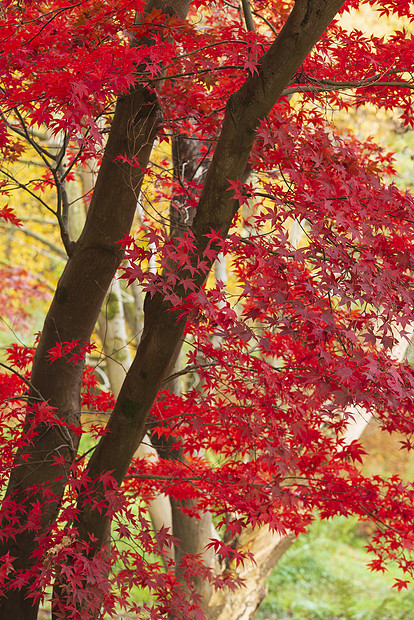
(324,577)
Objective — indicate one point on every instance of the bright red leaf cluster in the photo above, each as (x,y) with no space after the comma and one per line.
(283,358)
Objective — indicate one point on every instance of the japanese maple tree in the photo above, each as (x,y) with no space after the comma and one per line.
(299,345)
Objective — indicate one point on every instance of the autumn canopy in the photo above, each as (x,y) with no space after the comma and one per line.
(194,151)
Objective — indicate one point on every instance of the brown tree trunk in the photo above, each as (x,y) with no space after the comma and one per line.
(72,315)
(190,164)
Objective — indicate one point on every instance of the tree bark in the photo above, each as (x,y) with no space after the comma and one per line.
(242,604)
(112,332)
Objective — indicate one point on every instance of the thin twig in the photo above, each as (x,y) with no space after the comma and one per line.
(29,191)
(186,370)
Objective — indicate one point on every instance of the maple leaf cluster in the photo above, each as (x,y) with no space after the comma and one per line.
(284,358)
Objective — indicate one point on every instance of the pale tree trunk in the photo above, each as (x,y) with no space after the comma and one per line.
(137,318)
(113,335)
(242,604)
(220,269)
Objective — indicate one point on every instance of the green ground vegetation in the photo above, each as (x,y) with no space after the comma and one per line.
(324,576)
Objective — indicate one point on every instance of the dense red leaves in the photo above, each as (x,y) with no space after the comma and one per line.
(72,351)
(320,291)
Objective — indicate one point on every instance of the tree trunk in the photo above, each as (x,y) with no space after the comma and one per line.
(242,604)
(112,332)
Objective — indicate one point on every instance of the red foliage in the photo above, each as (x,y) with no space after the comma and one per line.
(308,333)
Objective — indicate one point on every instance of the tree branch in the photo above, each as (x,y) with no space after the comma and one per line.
(331,86)
(62,209)
(248,17)
(26,188)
